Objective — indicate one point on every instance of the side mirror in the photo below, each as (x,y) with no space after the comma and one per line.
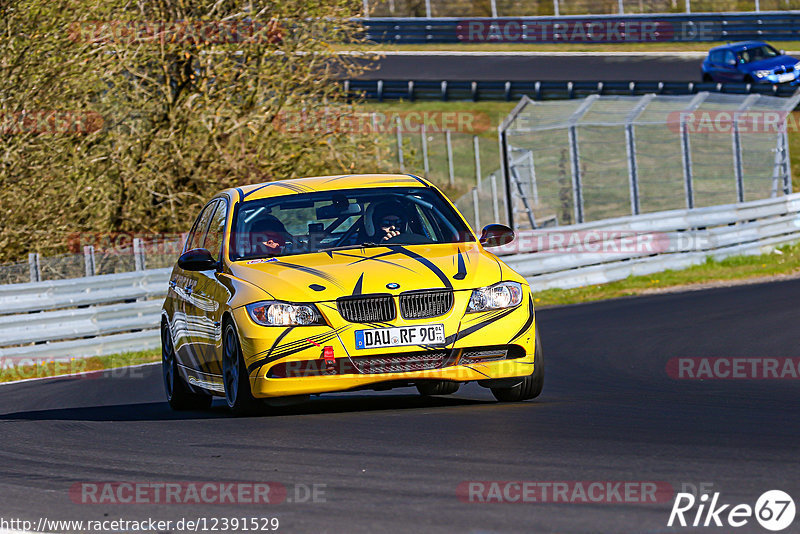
(496,235)
(782,52)
(197,259)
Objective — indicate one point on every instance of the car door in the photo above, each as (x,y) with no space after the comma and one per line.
(210,295)
(188,352)
(728,71)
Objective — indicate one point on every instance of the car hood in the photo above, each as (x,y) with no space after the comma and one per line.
(771,63)
(327,276)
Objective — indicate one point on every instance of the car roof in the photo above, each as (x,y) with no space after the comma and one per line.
(735,47)
(325,183)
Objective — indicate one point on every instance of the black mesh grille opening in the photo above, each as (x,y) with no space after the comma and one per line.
(424,304)
(367,309)
(400,363)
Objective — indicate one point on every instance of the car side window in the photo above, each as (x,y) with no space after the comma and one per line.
(729,57)
(213,240)
(716,57)
(199,230)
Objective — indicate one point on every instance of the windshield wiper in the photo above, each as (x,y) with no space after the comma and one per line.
(366,244)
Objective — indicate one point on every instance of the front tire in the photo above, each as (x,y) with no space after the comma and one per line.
(234,373)
(529,387)
(179,395)
(707,77)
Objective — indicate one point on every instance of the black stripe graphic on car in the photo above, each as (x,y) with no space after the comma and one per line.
(528,321)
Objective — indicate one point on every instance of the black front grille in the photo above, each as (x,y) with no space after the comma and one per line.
(400,363)
(367,309)
(424,304)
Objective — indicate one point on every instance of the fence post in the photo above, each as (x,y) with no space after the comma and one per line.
(575,165)
(88,260)
(620,7)
(686,149)
(556,11)
(633,169)
(428,8)
(758,6)
(400,147)
(425,164)
(375,137)
(475,201)
(686,156)
(688,6)
(35,267)
(366,9)
(494,8)
(736,138)
(532,173)
(138,254)
(450,158)
(786,167)
(495,201)
(477,147)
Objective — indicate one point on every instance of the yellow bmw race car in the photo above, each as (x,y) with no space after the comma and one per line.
(299,287)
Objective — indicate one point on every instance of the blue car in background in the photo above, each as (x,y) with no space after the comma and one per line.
(750,62)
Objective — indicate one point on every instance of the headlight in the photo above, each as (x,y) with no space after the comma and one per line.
(273,313)
(496,297)
(762,73)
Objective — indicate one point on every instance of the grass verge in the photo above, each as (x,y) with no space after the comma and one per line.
(782,262)
(27,368)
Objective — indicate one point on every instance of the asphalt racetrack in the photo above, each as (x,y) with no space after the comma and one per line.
(532,67)
(393,461)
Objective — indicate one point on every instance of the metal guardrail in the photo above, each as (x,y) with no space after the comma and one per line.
(541,90)
(93,290)
(107,314)
(682,238)
(694,27)
(512,8)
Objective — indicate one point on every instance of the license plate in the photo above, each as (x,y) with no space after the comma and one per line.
(788,77)
(399,336)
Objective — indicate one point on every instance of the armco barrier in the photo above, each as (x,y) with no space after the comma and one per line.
(687,237)
(702,27)
(81,317)
(541,90)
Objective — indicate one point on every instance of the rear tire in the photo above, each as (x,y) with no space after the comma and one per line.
(179,395)
(707,78)
(530,386)
(234,373)
(437,388)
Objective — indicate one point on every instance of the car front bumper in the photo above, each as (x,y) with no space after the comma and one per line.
(292,361)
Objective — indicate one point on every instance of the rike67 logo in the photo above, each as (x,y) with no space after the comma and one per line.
(774,510)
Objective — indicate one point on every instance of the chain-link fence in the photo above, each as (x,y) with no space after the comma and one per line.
(531,8)
(601,157)
(138,255)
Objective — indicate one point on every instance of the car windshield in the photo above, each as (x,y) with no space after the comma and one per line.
(331,220)
(757,54)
